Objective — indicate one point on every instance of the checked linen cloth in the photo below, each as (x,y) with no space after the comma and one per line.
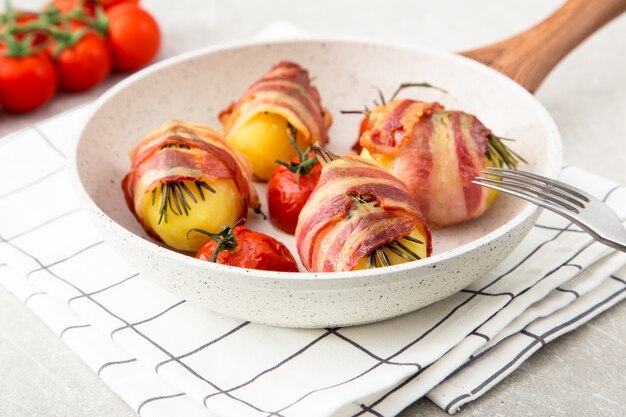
(165,356)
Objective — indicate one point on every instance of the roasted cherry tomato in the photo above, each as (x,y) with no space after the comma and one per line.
(26,82)
(134,36)
(245,248)
(84,64)
(289,188)
(363,127)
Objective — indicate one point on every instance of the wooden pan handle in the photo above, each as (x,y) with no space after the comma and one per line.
(528,57)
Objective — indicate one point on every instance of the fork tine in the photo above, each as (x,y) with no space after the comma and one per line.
(596,218)
(530,198)
(503,172)
(535,200)
(532,189)
(550,190)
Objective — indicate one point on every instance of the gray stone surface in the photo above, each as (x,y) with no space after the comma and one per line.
(580,374)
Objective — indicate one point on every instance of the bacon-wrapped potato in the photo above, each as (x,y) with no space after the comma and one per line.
(185,176)
(257,124)
(359,216)
(436,153)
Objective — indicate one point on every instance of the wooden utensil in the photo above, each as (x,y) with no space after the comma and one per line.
(528,57)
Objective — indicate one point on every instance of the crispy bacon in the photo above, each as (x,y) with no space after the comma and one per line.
(392,124)
(285,90)
(357,207)
(436,153)
(178,151)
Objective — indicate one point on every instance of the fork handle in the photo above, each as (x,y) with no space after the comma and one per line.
(529,56)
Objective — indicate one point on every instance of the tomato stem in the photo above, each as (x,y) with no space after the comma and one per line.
(21,48)
(305,164)
(101,23)
(258,211)
(47,23)
(225,238)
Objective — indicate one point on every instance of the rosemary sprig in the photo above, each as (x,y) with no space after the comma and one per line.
(500,154)
(225,238)
(306,164)
(362,199)
(165,196)
(379,257)
(414,240)
(404,86)
(175,145)
(200,185)
(366,111)
(381,96)
(324,156)
(174,198)
(406,249)
(401,252)
(189,193)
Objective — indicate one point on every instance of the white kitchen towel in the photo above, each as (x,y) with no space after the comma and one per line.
(161,353)
(166,357)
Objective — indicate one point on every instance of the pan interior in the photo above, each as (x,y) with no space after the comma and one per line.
(197,86)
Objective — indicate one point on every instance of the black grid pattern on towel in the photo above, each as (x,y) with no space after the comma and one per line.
(228,392)
(536,339)
(512,296)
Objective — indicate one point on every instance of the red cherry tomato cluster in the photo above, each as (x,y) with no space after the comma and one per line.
(71,45)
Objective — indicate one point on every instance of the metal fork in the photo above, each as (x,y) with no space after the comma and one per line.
(591,214)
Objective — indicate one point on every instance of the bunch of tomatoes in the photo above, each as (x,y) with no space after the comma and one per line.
(71,45)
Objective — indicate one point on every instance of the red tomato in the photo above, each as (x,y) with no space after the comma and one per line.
(287,194)
(24,18)
(134,37)
(69,5)
(363,127)
(66,5)
(253,250)
(84,64)
(26,82)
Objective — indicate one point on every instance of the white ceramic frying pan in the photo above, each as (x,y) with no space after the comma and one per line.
(196,86)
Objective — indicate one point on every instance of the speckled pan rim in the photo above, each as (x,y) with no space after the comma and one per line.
(553,165)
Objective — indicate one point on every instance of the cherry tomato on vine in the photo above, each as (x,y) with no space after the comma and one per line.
(89,5)
(245,248)
(26,82)
(134,36)
(289,188)
(24,18)
(83,64)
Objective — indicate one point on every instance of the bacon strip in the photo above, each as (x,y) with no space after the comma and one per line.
(436,153)
(204,156)
(285,90)
(335,229)
(392,124)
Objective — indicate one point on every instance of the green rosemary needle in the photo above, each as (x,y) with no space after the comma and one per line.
(175,198)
